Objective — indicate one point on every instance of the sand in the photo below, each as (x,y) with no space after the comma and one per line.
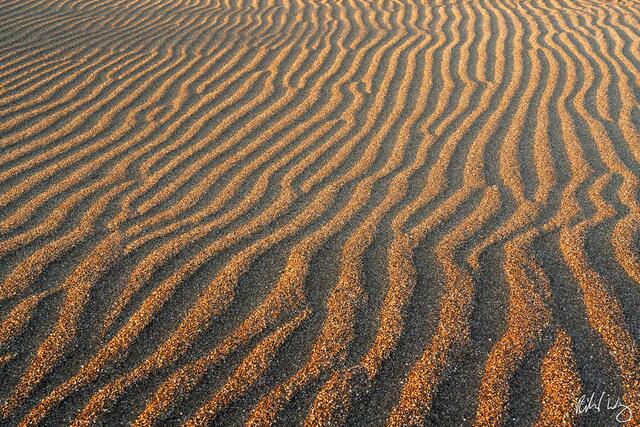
(319,213)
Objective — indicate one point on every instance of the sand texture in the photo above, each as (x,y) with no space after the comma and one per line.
(319,212)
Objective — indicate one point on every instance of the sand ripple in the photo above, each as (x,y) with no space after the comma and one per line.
(318,213)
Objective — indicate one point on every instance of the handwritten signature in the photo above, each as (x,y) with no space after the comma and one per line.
(595,402)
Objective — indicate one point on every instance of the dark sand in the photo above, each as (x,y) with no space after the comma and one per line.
(321,213)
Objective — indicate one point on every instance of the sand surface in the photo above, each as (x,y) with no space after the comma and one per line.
(320,213)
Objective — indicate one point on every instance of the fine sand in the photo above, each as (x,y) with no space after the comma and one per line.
(319,213)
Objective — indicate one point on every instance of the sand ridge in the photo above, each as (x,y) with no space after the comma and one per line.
(318,212)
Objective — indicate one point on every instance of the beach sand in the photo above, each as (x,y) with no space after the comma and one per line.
(320,213)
